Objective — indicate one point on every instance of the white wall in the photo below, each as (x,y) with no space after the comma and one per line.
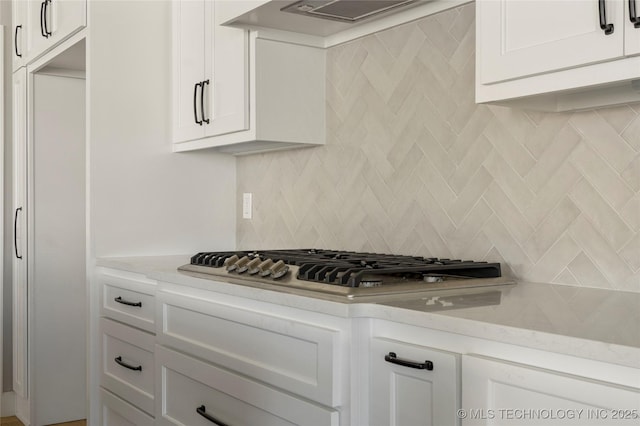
(145,199)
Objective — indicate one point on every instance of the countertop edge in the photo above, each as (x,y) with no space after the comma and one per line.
(623,355)
(163,268)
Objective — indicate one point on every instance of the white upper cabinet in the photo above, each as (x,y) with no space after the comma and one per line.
(188,68)
(209,71)
(563,54)
(237,92)
(521,38)
(19,15)
(49,22)
(632,28)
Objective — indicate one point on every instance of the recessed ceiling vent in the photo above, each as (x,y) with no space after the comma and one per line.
(343,10)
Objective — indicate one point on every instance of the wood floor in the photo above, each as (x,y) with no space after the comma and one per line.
(13,421)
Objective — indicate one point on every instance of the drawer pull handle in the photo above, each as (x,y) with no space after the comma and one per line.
(15,233)
(607,28)
(206,120)
(42,18)
(125,365)
(15,41)
(393,359)
(195,104)
(202,410)
(632,14)
(126,302)
(46,26)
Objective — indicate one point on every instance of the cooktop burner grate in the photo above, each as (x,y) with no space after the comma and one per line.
(344,268)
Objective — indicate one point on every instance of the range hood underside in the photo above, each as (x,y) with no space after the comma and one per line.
(270,16)
(344,10)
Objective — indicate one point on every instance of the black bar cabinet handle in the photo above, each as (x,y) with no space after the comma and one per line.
(206,120)
(42,5)
(125,365)
(393,359)
(46,27)
(195,103)
(632,14)
(15,41)
(15,233)
(202,410)
(607,28)
(126,302)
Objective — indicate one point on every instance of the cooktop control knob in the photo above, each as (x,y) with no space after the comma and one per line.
(240,265)
(264,268)
(251,267)
(233,266)
(279,269)
(230,261)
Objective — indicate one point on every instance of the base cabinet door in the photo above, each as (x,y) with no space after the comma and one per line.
(412,385)
(118,412)
(497,392)
(196,393)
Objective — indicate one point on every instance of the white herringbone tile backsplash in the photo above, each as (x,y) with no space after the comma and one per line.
(413,166)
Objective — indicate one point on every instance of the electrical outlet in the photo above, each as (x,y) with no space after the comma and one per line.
(246,205)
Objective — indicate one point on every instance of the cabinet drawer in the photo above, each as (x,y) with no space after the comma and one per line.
(285,352)
(407,395)
(127,363)
(192,389)
(116,412)
(129,301)
(519,394)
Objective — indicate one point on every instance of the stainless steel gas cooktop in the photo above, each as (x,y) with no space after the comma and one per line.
(342,273)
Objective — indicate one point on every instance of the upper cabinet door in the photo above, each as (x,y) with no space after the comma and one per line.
(51,21)
(210,67)
(632,28)
(227,62)
(188,69)
(19,37)
(527,37)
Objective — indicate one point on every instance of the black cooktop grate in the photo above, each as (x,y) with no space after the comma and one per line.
(354,269)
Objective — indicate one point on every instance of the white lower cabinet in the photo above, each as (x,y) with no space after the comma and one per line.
(115,411)
(288,351)
(193,393)
(498,392)
(129,300)
(412,385)
(128,363)
(224,359)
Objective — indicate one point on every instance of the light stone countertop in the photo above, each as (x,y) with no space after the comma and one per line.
(590,323)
